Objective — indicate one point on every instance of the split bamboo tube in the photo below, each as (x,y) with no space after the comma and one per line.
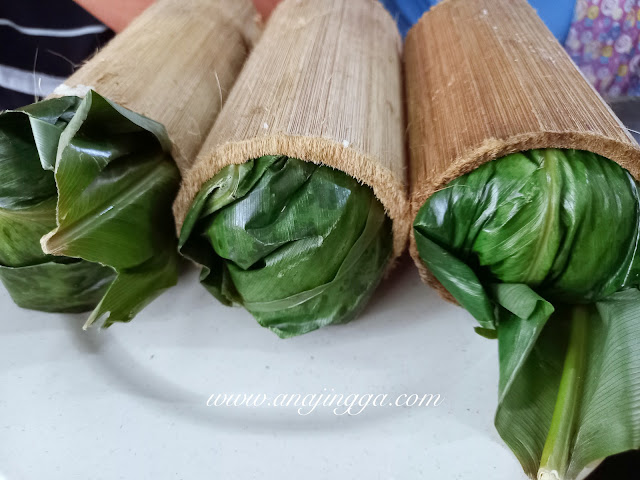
(323,85)
(485,79)
(176,64)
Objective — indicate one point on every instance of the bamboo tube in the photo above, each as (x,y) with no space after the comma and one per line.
(486,79)
(175,64)
(322,85)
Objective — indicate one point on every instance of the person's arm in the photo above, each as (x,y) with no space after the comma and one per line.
(115,14)
(265,7)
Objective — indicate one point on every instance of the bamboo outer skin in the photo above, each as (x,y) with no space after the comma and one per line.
(323,85)
(176,64)
(485,79)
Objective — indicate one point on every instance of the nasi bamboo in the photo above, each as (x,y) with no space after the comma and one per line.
(89,174)
(526,211)
(296,205)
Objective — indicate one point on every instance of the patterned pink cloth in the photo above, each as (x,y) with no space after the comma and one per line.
(604,41)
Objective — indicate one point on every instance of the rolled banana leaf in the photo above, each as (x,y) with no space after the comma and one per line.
(525,212)
(299,245)
(541,248)
(296,205)
(85,208)
(88,183)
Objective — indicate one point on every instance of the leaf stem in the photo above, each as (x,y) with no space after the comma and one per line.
(555,454)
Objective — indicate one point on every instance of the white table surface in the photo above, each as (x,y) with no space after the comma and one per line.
(129,402)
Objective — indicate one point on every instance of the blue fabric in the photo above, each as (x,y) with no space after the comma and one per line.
(407,12)
(556,14)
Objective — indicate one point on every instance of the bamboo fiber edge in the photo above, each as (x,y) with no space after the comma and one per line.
(486,79)
(175,64)
(322,85)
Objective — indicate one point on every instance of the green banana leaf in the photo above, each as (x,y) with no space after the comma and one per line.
(300,246)
(541,248)
(85,208)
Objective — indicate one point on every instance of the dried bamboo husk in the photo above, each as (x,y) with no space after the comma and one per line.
(485,79)
(322,85)
(176,64)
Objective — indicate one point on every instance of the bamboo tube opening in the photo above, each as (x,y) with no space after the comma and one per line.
(486,79)
(323,85)
(176,64)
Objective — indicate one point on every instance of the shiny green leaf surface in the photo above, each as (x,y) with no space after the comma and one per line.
(525,243)
(86,179)
(21,230)
(300,246)
(73,287)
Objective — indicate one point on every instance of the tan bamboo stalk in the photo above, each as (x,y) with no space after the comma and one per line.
(485,79)
(322,85)
(176,64)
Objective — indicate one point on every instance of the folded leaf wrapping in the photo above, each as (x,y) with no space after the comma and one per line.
(259,228)
(96,181)
(85,205)
(516,220)
(522,243)
(297,202)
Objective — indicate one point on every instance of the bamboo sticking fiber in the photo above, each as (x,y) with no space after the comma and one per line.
(176,64)
(323,85)
(88,174)
(526,211)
